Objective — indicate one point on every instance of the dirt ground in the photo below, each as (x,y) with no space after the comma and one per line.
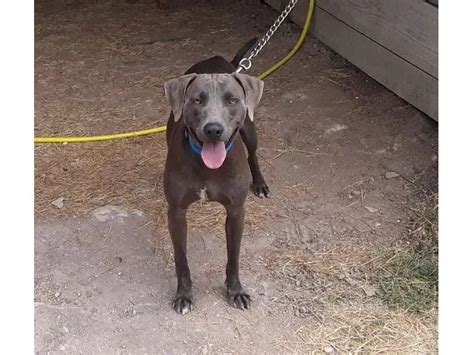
(347,161)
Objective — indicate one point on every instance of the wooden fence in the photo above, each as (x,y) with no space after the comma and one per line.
(393,41)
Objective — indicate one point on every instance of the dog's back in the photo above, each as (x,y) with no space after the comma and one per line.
(218,64)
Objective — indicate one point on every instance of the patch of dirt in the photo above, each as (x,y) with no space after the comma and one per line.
(345,158)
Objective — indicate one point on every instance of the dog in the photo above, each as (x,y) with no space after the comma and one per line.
(211,120)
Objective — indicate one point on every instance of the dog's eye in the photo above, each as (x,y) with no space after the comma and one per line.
(232,101)
(197,101)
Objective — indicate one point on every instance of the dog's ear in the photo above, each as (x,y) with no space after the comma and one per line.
(175,90)
(253,89)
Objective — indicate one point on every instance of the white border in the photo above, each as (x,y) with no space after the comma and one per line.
(456,175)
(16,176)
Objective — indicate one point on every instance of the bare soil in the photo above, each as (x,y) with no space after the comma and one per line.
(346,160)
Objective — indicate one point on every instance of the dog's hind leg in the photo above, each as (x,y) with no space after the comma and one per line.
(249,136)
(234,227)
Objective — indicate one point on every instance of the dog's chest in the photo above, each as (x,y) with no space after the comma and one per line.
(203,196)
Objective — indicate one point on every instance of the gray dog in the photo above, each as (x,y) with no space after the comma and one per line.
(211,121)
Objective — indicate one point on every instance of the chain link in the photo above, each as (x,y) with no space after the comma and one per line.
(246,62)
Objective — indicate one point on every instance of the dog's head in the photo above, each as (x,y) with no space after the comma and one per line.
(213,107)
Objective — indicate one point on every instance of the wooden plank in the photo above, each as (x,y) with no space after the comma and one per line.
(406,80)
(409,28)
(299,13)
(416,86)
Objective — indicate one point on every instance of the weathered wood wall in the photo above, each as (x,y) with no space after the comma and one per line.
(393,41)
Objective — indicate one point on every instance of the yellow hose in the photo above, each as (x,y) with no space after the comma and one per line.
(144,132)
(299,42)
(99,138)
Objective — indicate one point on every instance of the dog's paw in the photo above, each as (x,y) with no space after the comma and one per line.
(182,304)
(239,299)
(260,189)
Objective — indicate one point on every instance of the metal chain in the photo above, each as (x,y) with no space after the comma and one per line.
(246,62)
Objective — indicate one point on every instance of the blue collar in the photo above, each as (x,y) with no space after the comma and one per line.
(197,149)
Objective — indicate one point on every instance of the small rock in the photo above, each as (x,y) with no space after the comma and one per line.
(391,175)
(396,146)
(336,128)
(138,213)
(356,193)
(58,203)
(328,349)
(369,290)
(62,347)
(109,212)
(57,294)
(371,209)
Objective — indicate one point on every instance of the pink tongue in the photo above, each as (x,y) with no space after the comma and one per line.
(213,154)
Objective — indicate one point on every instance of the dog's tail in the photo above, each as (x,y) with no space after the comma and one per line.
(242,51)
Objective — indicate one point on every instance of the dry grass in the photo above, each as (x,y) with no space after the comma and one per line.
(358,327)
(363,301)
(345,313)
(108,80)
(93,175)
(408,279)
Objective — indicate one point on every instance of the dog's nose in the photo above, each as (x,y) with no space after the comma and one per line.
(213,130)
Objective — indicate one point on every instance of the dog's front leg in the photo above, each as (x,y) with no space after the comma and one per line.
(249,136)
(234,228)
(183,302)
